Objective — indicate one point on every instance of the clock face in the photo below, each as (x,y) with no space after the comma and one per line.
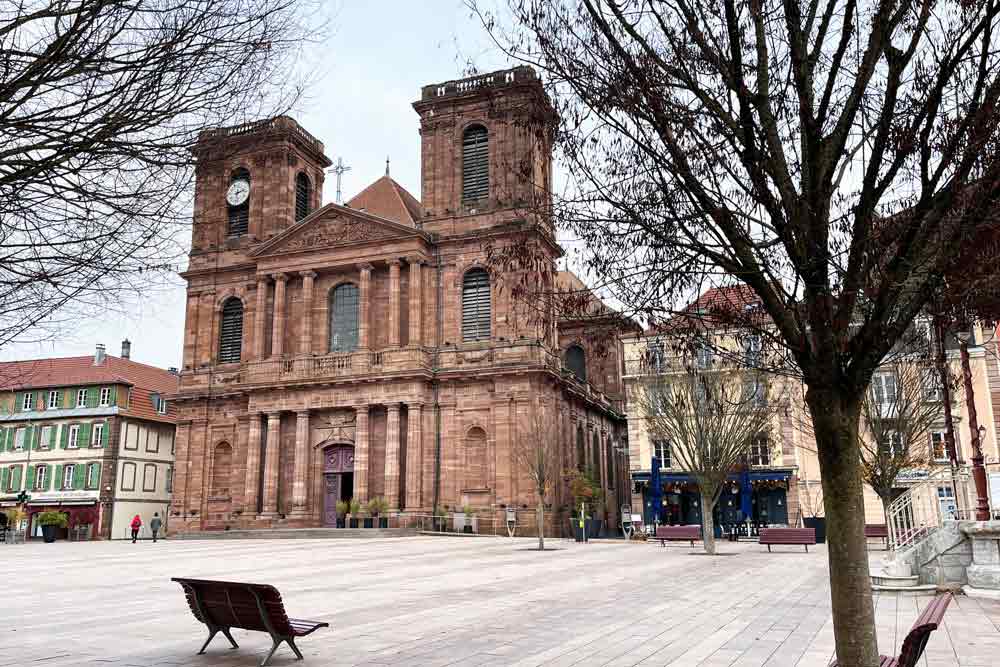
(238,192)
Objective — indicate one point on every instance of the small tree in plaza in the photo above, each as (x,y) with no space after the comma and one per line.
(537,451)
(710,421)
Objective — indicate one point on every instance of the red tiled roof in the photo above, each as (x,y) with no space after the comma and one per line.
(735,305)
(388,199)
(81,371)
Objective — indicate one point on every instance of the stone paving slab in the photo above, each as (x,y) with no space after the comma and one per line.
(437,601)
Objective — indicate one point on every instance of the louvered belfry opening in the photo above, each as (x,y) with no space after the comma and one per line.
(239,216)
(476,305)
(576,362)
(231,331)
(303,190)
(344,318)
(475,164)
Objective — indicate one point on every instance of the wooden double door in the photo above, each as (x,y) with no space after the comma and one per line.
(338,480)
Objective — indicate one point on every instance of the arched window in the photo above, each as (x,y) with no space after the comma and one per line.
(475,163)
(475,459)
(303,192)
(596,451)
(344,318)
(238,203)
(581,454)
(476,305)
(231,331)
(576,362)
(609,454)
(222,468)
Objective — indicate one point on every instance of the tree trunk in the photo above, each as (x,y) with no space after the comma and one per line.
(707,523)
(835,423)
(540,520)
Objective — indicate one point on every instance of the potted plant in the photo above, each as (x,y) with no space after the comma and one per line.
(377,507)
(589,495)
(50,522)
(812,508)
(469,522)
(353,512)
(342,508)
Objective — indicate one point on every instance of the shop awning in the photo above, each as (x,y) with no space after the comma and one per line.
(682,478)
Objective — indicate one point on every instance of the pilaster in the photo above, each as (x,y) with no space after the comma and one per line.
(416,304)
(365,289)
(414,455)
(308,280)
(251,502)
(361,453)
(278,332)
(392,456)
(299,495)
(260,318)
(270,504)
(394,303)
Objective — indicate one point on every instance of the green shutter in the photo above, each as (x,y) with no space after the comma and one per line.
(79,476)
(30,442)
(18,401)
(17,478)
(93,396)
(51,444)
(97,481)
(29,478)
(6,440)
(48,478)
(105,433)
(83,438)
(55,480)
(114,395)
(4,476)
(65,437)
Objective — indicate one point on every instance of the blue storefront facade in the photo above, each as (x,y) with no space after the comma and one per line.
(680,501)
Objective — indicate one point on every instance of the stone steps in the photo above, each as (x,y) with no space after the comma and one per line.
(296,533)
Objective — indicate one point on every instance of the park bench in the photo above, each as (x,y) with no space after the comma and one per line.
(678,534)
(877,530)
(803,536)
(223,605)
(920,632)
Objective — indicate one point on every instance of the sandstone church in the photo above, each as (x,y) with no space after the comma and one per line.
(368,349)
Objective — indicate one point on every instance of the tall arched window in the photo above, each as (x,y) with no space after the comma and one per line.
(344,318)
(576,362)
(238,203)
(222,468)
(475,459)
(609,454)
(598,468)
(303,192)
(475,163)
(581,453)
(476,305)
(231,331)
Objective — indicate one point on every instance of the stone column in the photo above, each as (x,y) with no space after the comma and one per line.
(301,470)
(392,456)
(260,318)
(365,289)
(361,453)
(416,305)
(414,454)
(252,480)
(305,343)
(270,504)
(278,332)
(394,303)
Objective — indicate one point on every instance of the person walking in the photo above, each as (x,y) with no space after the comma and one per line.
(136,525)
(155,524)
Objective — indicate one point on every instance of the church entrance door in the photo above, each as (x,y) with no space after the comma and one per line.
(338,480)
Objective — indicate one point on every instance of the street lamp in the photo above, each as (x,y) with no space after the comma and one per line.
(977,431)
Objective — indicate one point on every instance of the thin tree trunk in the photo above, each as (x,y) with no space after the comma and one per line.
(707,524)
(835,421)
(540,520)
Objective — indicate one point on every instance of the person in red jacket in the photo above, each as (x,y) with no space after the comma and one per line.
(136,525)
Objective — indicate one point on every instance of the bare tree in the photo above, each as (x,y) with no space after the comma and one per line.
(101,101)
(776,145)
(538,452)
(711,422)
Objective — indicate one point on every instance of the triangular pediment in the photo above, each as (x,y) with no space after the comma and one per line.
(331,226)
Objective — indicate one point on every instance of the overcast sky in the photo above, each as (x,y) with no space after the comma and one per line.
(369,71)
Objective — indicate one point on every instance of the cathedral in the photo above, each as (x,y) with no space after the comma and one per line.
(369,349)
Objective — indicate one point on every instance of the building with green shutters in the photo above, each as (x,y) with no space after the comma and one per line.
(88,436)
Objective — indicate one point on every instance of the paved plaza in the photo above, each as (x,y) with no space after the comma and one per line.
(457,601)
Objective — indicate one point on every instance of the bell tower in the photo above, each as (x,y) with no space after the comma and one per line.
(253,181)
(486,150)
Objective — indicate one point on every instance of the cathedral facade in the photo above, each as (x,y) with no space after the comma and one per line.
(368,349)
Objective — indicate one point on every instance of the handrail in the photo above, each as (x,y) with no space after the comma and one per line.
(916,513)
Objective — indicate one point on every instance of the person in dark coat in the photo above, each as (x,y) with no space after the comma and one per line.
(136,525)
(155,524)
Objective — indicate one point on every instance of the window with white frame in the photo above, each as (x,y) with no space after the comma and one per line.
(19,437)
(40,477)
(661,450)
(27,401)
(128,476)
(754,392)
(892,443)
(704,355)
(74,436)
(12,472)
(884,390)
(760,451)
(939,445)
(930,380)
(81,398)
(96,433)
(751,350)
(161,405)
(53,400)
(67,480)
(170,479)
(149,477)
(93,475)
(45,441)
(105,396)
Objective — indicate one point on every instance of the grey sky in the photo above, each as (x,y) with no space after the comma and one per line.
(369,71)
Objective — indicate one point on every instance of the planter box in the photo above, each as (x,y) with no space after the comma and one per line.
(465,523)
(49,533)
(819,523)
(354,523)
(593,527)
(369,522)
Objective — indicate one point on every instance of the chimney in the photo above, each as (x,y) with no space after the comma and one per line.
(99,355)
(172,370)
(126,349)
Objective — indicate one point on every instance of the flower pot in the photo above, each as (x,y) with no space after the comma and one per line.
(49,533)
(341,522)
(369,522)
(353,523)
(383,522)
(819,523)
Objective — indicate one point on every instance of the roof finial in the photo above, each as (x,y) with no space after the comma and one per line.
(386,165)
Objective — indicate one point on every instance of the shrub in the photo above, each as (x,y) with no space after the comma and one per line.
(53,519)
(342,507)
(377,506)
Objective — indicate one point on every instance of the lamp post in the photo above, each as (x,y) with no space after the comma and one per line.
(976,431)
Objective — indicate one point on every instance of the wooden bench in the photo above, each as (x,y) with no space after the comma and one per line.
(803,536)
(920,632)
(880,530)
(223,605)
(678,534)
